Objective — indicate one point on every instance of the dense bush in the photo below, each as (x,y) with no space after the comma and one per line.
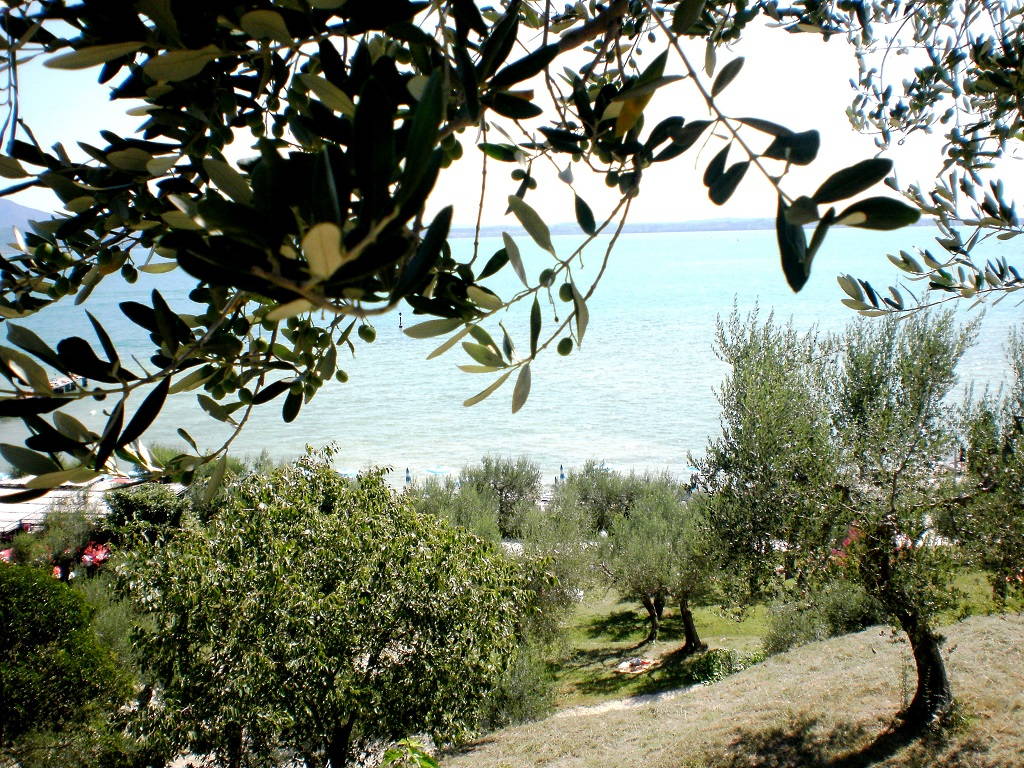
(717,664)
(69,531)
(146,509)
(55,674)
(835,608)
(525,691)
(513,483)
(604,494)
(313,615)
(462,504)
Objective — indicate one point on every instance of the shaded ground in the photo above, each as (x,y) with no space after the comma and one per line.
(828,704)
(606,631)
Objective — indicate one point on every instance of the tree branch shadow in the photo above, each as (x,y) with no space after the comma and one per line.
(802,743)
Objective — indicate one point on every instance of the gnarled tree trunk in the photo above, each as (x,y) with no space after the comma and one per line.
(693,643)
(933,696)
(653,618)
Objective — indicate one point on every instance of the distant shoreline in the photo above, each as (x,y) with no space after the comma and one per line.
(643,228)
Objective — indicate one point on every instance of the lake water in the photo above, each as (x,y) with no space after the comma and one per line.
(639,394)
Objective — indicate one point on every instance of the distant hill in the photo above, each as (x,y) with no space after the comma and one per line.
(703,225)
(14,215)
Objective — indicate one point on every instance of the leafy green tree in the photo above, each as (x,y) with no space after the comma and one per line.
(656,552)
(986,518)
(513,483)
(772,469)
(461,504)
(55,675)
(146,510)
(354,110)
(603,494)
(872,413)
(313,615)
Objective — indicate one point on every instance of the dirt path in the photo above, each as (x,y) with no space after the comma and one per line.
(630,703)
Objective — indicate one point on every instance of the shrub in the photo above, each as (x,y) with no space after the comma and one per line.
(68,528)
(837,608)
(146,509)
(524,692)
(514,484)
(313,615)
(461,504)
(54,672)
(718,663)
(604,494)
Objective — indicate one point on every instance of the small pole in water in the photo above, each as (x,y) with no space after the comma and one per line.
(399,320)
(408,477)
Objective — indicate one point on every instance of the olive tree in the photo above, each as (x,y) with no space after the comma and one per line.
(862,449)
(353,111)
(313,616)
(958,74)
(773,467)
(657,552)
(459,503)
(986,518)
(603,494)
(513,485)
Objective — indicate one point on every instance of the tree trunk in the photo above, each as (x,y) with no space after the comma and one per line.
(693,643)
(999,591)
(933,696)
(339,744)
(234,745)
(652,617)
(659,604)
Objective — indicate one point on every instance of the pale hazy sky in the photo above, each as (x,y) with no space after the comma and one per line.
(797,80)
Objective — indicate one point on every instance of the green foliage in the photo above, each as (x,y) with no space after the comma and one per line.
(970,90)
(661,550)
(605,495)
(513,483)
(67,528)
(524,692)
(827,468)
(146,510)
(461,504)
(831,609)
(408,754)
(312,615)
(717,664)
(986,519)
(770,473)
(353,111)
(55,674)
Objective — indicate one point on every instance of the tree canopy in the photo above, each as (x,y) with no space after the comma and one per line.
(351,112)
(313,616)
(55,674)
(832,466)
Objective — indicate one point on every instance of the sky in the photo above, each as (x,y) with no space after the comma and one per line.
(797,80)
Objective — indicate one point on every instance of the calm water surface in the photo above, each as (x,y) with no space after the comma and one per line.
(639,394)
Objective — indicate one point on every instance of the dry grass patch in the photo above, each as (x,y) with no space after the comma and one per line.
(824,704)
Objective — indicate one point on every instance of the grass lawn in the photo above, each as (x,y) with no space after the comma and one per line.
(605,631)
